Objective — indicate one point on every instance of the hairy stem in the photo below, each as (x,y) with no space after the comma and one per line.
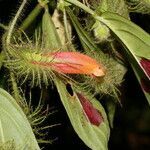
(81,5)
(12,25)
(27,22)
(66,26)
(15,92)
(32,16)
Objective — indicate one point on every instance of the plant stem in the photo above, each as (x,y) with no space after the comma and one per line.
(2,56)
(27,22)
(81,5)
(15,92)
(3,26)
(66,26)
(32,16)
(11,28)
(86,9)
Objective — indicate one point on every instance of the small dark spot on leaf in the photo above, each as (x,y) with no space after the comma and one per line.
(69,89)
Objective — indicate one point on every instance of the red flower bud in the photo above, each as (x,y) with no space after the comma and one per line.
(92,113)
(73,63)
(146,65)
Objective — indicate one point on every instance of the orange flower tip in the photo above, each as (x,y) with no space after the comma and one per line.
(99,72)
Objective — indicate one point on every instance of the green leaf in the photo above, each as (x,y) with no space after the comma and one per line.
(115,6)
(50,35)
(132,36)
(95,137)
(87,42)
(14,125)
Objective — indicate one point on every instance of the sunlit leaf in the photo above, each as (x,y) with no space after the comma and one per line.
(14,125)
(133,37)
(94,133)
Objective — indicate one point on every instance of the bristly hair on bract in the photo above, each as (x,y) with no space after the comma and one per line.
(20,62)
(107,85)
(25,57)
(36,115)
(22,55)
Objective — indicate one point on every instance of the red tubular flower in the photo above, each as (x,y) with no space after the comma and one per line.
(73,63)
(92,113)
(146,65)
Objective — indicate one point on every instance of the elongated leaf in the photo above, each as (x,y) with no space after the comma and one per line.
(87,42)
(94,136)
(14,125)
(50,35)
(133,37)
